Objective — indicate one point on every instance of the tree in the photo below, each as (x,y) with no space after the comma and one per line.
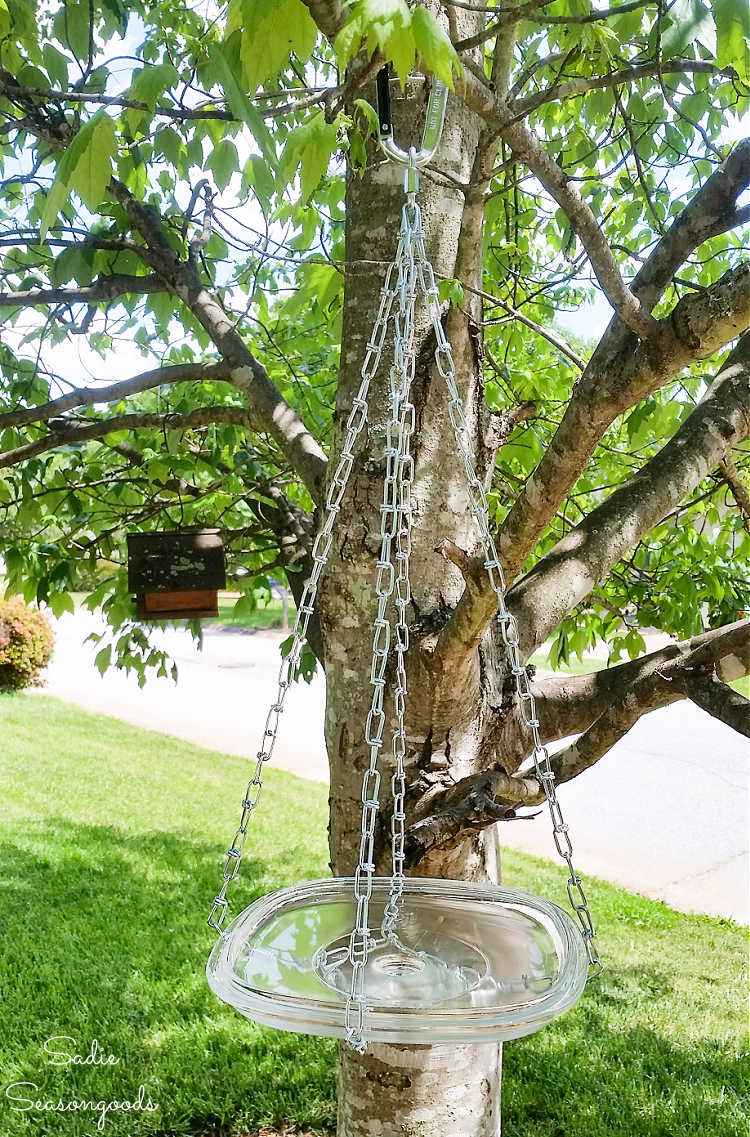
(218,200)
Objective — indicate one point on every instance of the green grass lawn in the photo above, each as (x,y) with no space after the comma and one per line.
(574,666)
(742,685)
(110,848)
(264,616)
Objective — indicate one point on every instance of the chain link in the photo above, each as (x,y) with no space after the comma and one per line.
(395,530)
(405,360)
(507,621)
(321,548)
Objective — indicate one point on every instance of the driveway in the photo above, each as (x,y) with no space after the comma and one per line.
(665,813)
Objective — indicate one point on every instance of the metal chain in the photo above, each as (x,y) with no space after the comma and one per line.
(321,548)
(411,267)
(402,600)
(507,621)
(395,525)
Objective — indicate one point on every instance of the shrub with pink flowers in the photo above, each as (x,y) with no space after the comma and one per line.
(26,644)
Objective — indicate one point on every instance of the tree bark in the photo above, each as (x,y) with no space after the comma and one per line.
(424,1091)
(391,1090)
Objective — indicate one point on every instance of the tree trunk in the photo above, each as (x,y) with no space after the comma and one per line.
(392,1091)
(421,1091)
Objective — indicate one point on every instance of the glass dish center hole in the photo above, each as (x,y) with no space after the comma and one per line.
(400,975)
(399,964)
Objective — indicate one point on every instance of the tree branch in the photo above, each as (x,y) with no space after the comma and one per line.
(512,15)
(633,303)
(612,701)
(91,396)
(703,688)
(105,288)
(711,211)
(574,87)
(586,554)
(611,382)
(568,704)
(697,326)
(472,804)
(66,434)
(481,800)
(12,90)
(731,476)
(681,677)
(500,117)
(626,304)
(462,633)
(329,16)
(529,12)
(183,279)
(248,373)
(546,333)
(502,424)
(294,530)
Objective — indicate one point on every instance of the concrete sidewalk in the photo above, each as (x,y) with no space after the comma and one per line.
(665,813)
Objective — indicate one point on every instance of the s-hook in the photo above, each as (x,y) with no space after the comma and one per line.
(433,125)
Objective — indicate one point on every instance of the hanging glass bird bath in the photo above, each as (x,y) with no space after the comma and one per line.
(466,962)
(402,959)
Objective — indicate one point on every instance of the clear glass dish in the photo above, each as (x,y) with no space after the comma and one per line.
(467,963)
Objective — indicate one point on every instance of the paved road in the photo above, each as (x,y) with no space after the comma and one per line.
(664,813)
(220,700)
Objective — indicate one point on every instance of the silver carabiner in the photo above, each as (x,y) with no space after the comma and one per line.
(433,126)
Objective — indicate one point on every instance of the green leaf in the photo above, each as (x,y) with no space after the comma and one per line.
(56,198)
(347,42)
(169,143)
(320,285)
(386,25)
(371,115)
(357,151)
(688,21)
(150,83)
(86,167)
(73,264)
(240,105)
(217,248)
(307,665)
(56,65)
(96,146)
(400,49)
(61,602)
(732,19)
(258,175)
(244,606)
(309,149)
(223,162)
(451,290)
(433,45)
(271,31)
(76,27)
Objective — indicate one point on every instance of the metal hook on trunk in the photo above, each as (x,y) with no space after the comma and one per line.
(433,126)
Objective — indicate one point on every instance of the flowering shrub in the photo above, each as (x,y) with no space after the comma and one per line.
(26,643)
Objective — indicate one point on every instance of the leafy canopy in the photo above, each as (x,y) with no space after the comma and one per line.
(232,123)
